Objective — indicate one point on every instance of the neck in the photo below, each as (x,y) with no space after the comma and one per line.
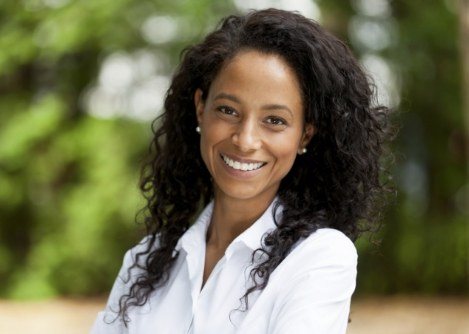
(232,216)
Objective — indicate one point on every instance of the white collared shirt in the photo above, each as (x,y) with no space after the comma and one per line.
(309,292)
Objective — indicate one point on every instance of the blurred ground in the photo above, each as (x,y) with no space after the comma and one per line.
(409,315)
(395,315)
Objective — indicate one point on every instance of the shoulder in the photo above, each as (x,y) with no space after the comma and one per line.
(323,249)
(138,253)
(106,321)
(323,264)
(330,243)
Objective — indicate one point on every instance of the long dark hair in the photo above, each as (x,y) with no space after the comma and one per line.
(337,184)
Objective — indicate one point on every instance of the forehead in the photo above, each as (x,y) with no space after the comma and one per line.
(259,76)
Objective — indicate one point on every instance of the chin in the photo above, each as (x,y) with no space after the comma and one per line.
(245,192)
(240,194)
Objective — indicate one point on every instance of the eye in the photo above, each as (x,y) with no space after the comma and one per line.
(226,110)
(276,121)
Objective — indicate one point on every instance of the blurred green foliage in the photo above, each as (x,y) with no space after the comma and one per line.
(68,180)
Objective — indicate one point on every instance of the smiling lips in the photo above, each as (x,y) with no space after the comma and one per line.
(243,166)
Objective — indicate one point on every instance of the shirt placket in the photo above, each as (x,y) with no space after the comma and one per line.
(201,294)
(194,262)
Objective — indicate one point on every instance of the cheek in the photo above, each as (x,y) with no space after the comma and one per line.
(285,152)
(288,155)
(211,136)
(203,149)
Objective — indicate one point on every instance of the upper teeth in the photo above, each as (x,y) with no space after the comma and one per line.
(241,165)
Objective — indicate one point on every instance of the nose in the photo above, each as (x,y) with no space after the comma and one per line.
(246,136)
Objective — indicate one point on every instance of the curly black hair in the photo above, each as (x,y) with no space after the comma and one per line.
(337,184)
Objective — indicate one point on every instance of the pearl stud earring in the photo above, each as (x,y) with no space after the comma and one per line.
(302,151)
(197,129)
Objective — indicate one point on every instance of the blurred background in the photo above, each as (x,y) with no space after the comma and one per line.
(81,81)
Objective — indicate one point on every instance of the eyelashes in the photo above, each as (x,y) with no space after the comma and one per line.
(271,121)
(226,110)
(276,121)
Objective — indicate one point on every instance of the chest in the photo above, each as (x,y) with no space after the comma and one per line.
(188,304)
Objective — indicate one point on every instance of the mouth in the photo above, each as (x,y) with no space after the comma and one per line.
(242,166)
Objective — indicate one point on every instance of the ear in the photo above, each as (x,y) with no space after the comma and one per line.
(308,133)
(199,104)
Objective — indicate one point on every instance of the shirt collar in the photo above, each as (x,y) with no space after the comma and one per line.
(252,236)
(194,238)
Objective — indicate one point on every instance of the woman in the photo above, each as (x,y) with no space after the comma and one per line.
(269,127)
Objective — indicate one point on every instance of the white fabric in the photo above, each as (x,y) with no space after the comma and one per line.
(309,292)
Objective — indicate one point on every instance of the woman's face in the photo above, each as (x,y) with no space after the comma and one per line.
(252,125)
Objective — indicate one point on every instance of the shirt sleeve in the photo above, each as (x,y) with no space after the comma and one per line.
(318,301)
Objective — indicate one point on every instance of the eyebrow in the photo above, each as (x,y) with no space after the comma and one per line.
(228,97)
(277,107)
(265,107)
